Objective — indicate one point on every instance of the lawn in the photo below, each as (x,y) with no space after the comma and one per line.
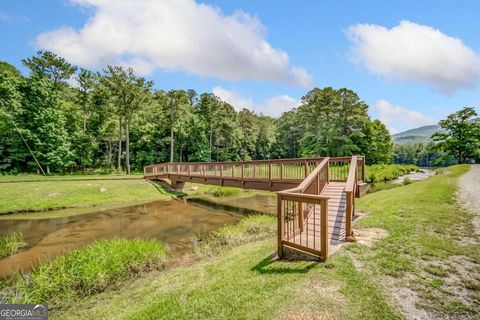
(25,193)
(432,254)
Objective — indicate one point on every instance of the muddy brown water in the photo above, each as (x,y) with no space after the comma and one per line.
(175,223)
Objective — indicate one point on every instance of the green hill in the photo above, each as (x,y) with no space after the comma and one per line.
(418,135)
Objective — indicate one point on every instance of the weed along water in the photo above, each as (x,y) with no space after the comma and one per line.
(176,224)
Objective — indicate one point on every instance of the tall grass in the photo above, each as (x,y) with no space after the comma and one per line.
(251,228)
(10,244)
(89,270)
(383,172)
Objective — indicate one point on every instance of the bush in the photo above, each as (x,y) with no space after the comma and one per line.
(225,191)
(249,229)
(407,181)
(383,172)
(10,244)
(86,271)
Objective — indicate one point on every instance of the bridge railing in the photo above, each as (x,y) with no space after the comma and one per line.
(284,169)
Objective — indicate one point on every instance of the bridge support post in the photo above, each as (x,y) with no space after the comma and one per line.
(178,186)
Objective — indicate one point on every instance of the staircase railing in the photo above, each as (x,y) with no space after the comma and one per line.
(350,190)
(303,214)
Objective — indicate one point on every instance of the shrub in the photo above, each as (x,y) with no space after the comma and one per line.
(225,191)
(407,181)
(10,244)
(383,172)
(89,270)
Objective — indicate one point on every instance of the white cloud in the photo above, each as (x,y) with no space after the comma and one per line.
(174,35)
(399,118)
(415,52)
(273,106)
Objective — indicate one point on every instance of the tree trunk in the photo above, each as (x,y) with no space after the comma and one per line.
(48,169)
(119,162)
(211,134)
(127,147)
(171,144)
(84,118)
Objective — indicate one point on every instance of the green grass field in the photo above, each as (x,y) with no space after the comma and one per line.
(25,193)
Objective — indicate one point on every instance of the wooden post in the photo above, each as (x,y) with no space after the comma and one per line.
(189,170)
(328,171)
(281,171)
(243,169)
(348,214)
(270,171)
(178,168)
(221,170)
(324,229)
(280,226)
(300,216)
(254,170)
(306,169)
(363,169)
(233,170)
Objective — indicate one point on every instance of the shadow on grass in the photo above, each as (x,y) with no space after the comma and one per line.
(164,190)
(271,265)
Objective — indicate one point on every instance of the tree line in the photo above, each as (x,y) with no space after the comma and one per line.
(60,118)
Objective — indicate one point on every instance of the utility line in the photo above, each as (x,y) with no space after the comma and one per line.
(24,141)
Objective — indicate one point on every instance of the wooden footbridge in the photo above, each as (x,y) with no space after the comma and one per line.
(316,196)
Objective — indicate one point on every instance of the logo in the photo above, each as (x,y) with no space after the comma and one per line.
(23,312)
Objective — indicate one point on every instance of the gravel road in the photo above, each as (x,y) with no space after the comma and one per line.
(469,193)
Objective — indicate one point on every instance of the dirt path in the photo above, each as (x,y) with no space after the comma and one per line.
(469,193)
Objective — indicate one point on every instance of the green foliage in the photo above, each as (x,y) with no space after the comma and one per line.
(114,119)
(422,155)
(48,64)
(90,270)
(225,191)
(383,172)
(461,138)
(10,244)
(380,149)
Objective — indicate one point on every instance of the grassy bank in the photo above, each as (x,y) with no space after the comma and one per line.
(21,194)
(87,271)
(10,244)
(384,172)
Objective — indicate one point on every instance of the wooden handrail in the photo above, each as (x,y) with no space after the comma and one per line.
(279,161)
(351,180)
(307,181)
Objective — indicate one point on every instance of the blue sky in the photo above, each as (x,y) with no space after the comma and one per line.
(265,55)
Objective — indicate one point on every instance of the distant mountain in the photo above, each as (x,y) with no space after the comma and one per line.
(418,135)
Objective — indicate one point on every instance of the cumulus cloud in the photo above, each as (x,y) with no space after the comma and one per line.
(415,52)
(397,117)
(174,35)
(273,106)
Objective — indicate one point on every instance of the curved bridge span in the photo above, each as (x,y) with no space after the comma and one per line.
(316,196)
